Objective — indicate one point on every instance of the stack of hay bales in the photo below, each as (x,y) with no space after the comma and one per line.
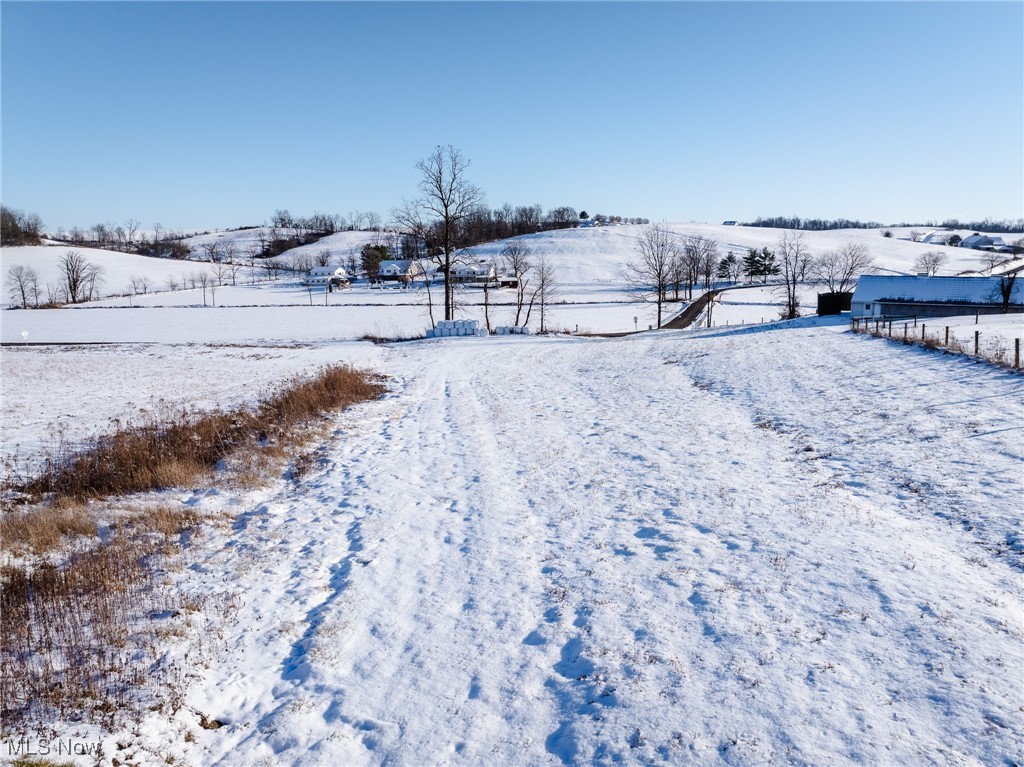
(512,330)
(449,328)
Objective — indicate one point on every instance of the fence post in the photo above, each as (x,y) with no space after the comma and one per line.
(1016,354)
(904,331)
(915,320)
(947,336)
(922,331)
(976,334)
(890,328)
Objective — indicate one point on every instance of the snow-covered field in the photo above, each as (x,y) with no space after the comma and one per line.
(587,258)
(786,544)
(773,543)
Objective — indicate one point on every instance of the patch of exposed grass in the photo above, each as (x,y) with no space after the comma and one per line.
(85,608)
(179,450)
(42,528)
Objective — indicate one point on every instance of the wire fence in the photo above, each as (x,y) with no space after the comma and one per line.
(988,345)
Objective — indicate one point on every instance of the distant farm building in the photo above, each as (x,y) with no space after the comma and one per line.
(481,272)
(923,296)
(985,242)
(728,223)
(326,275)
(937,238)
(404,270)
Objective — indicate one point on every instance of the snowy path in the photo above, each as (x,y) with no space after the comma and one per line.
(646,550)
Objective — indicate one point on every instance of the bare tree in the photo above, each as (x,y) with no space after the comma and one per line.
(517,262)
(300,261)
(212,251)
(990,259)
(447,196)
(131,226)
(201,279)
(794,259)
(233,267)
(929,263)
(93,281)
(698,261)
(23,285)
(488,285)
(221,272)
(544,290)
(323,257)
(73,269)
(707,260)
(654,268)
(1006,285)
(251,256)
(839,269)
(140,285)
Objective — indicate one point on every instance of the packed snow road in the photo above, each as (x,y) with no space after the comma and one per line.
(801,547)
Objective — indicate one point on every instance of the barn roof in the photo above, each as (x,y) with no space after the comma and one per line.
(973,290)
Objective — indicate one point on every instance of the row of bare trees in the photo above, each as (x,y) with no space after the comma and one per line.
(669,262)
(80,280)
(535,282)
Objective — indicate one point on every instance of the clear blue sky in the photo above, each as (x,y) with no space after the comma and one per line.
(200,114)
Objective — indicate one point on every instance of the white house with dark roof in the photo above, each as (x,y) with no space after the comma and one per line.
(923,296)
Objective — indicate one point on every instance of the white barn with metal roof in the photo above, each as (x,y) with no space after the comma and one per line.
(923,296)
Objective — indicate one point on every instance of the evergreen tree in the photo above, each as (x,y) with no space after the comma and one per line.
(752,264)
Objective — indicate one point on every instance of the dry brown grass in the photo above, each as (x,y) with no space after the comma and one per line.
(83,616)
(71,638)
(184,447)
(40,529)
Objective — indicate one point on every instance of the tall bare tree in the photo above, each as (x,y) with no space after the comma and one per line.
(74,270)
(653,270)
(838,269)
(23,285)
(446,197)
(794,262)
(1005,289)
(517,262)
(545,288)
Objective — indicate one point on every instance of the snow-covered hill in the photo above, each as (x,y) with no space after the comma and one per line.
(596,254)
(118,269)
(590,256)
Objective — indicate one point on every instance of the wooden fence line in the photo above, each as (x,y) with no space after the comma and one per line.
(884,329)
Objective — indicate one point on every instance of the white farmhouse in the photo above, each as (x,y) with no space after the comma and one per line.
(405,270)
(481,271)
(326,275)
